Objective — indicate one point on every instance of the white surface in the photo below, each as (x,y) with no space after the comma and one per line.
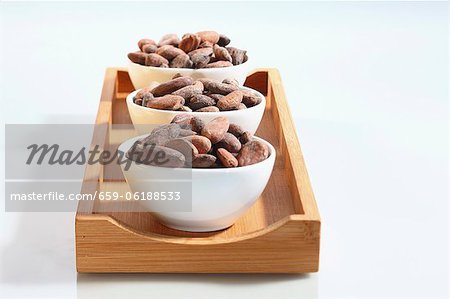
(219,196)
(248,119)
(367,86)
(142,76)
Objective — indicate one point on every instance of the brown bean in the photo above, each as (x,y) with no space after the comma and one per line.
(208,109)
(222,54)
(236,130)
(237,55)
(184,146)
(189,42)
(223,40)
(137,57)
(204,51)
(161,134)
(218,64)
(198,101)
(209,36)
(181,61)
(189,91)
(216,129)
(227,159)
(200,60)
(250,99)
(169,39)
(156,60)
(213,86)
(202,143)
(230,143)
(253,152)
(171,86)
(145,41)
(149,48)
(167,102)
(169,52)
(230,101)
(246,137)
(155,155)
(231,81)
(203,161)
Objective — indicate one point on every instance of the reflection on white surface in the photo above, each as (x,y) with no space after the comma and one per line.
(196,286)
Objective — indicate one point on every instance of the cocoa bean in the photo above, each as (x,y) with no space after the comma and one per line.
(167,102)
(223,40)
(162,134)
(215,96)
(198,101)
(204,51)
(253,152)
(219,63)
(145,41)
(189,91)
(230,143)
(231,81)
(209,36)
(156,155)
(222,54)
(181,61)
(246,137)
(217,87)
(250,99)
(208,109)
(236,130)
(156,60)
(184,146)
(137,57)
(237,55)
(189,42)
(226,158)
(140,94)
(169,39)
(171,86)
(202,143)
(169,52)
(216,129)
(149,48)
(200,60)
(203,161)
(230,101)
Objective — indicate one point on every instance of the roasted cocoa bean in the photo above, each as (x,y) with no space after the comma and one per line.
(236,130)
(223,40)
(253,152)
(169,52)
(181,61)
(222,54)
(218,64)
(216,129)
(189,42)
(137,57)
(209,36)
(200,60)
(230,143)
(226,158)
(167,102)
(171,86)
(250,99)
(189,91)
(230,101)
(156,155)
(169,39)
(237,55)
(208,109)
(202,143)
(185,147)
(198,101)
(203,161)
(156,60)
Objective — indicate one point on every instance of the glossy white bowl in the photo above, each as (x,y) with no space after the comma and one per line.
(219,195)
(248,119)
(141,75)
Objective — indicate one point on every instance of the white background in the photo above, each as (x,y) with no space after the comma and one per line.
(367,85)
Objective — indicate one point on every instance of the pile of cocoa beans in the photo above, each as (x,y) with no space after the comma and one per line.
(183,93)
(205,49)
(188,142)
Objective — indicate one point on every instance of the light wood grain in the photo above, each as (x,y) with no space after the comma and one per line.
(280,233)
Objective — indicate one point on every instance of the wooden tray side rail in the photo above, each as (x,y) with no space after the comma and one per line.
(279,234)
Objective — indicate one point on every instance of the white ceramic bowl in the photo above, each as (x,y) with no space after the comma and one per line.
(219,195)
(248,119)
(142,75)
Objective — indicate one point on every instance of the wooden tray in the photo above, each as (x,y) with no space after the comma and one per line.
(279,234)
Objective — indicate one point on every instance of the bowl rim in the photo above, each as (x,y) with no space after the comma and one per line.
(130,96)
(270,160)
(172,69)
